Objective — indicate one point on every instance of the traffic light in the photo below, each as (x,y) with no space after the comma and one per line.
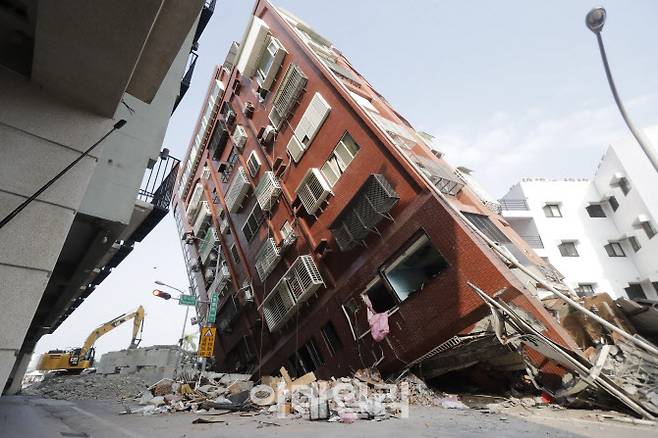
(160,294)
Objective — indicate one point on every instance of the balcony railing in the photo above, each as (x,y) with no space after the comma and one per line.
(159,180)
(514,204)
(534,241)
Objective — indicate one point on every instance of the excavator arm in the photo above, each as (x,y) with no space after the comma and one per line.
(138,327)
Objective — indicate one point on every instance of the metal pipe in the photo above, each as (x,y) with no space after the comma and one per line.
(118,125)
(648,149)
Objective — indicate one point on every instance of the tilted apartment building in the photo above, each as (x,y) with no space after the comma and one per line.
(305,198)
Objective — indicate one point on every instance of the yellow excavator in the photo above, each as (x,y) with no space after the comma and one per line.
(78,359)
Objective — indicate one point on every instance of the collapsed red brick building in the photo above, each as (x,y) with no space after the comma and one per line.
(305,198)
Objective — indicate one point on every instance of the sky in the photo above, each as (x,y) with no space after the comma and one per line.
(510,89)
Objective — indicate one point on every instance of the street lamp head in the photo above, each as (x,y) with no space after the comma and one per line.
(159,283)
(595,19)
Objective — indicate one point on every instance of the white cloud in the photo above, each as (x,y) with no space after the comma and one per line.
(511,146)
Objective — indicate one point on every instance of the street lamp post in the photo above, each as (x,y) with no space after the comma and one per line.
(595,20)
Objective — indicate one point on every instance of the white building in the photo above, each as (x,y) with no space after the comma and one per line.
(600,233)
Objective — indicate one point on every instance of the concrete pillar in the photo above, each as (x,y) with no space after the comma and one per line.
(16,377)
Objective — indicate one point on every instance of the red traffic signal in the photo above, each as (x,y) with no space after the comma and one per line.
(160,294)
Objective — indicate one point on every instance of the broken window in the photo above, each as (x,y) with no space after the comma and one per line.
(595,210)
(568,249)
(484,224)
(419,264)
(381,298)
(552,210)
(635,292)
(331,338)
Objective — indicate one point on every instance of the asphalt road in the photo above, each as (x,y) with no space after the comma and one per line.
(32,417)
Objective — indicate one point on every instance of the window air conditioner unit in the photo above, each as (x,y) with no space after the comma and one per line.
(313,190)
(237,190)
(202,219)
(247,293)
(268,191)
(239,137)
(194,201)
(267,137)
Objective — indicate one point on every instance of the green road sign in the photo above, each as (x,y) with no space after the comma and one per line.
(212,309)
(187,300)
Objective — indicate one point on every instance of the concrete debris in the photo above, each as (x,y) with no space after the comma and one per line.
(365,396)
(89,387)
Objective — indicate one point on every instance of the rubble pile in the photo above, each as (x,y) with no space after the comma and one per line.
(88,387)
(347,399)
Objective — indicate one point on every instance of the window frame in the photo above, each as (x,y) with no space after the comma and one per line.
(408,250)
(235,255)
(253,157)
(611,247)
(614,204)
(624,185)
(335,160)
(487,227)
(641,290)
(564,244)
(585,289)
(635,243)
(596,212)
(333,343)
(253,227)
(648,229)
(548,207)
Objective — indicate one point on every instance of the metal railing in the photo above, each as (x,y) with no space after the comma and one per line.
(513,204)
(534,241)
(159,179)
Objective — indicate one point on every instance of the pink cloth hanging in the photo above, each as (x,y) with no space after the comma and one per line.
(378,321)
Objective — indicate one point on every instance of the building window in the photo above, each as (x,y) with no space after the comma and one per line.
(253,223)
(614,204)
(484,224)
(568,249)
(614,249)
(267,60)
(635,292)
(412,270)
(331,338)
(381,298)
(585,289)
(253,164)
(595,210)
(339,159)
(552,210)
(649,229)
(234,254)
(634,243)
(306,359)
(624,185)
(287,232)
